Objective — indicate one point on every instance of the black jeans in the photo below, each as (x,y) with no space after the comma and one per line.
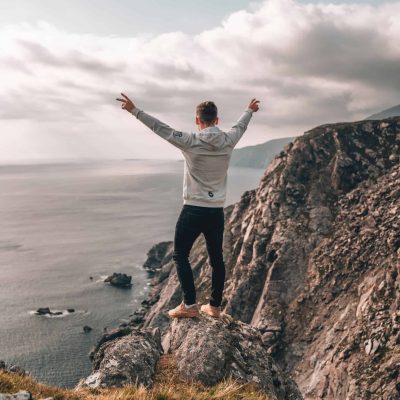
(192,221)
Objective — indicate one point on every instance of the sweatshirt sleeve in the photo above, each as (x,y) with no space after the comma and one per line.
(237,130)
(182,140)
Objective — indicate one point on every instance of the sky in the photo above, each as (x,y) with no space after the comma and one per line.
(63,63)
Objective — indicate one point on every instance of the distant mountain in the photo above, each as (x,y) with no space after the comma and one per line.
(390,112)
(260,155)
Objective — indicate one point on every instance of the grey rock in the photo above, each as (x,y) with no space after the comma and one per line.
(119,280)
(130,359)
(109,336)
(209,350)
(21,395)
(158,255)
(43,311)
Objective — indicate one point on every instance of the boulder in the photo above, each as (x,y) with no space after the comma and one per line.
(21,395)
(209,350)
(130,359)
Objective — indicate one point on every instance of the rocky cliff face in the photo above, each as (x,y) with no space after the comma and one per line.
(312,261)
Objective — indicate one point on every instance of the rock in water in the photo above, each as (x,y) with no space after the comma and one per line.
(43,311)
(127,360)
(119,280)
(209,350)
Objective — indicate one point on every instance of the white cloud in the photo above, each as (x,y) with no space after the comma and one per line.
(307,63)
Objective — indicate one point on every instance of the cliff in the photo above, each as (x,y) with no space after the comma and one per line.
(312,261)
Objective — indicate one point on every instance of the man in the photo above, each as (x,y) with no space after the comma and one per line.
(207,155)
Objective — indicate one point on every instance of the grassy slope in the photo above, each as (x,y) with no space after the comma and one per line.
(167,386)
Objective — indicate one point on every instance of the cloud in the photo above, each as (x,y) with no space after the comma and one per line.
(308,64)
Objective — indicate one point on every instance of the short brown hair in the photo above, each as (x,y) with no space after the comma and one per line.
(207,111)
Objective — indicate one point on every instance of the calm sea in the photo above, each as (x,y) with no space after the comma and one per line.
(63,223)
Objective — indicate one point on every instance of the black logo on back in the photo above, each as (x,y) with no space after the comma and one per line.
(211,194)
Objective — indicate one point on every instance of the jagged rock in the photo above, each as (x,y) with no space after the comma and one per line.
(158,255)
(109,336)
(21,395)
(209,349)
(307,251)
(119,280)
(130,359)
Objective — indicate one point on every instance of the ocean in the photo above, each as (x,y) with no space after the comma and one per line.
(67,222)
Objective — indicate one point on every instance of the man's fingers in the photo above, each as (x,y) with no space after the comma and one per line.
(125,96)
(120,99)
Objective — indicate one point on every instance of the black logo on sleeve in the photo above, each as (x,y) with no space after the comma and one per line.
(211,194)
(177,134)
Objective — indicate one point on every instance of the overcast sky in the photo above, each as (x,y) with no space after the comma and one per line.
(62,63)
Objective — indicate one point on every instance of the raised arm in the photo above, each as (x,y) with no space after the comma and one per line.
(182,140)
(237,130)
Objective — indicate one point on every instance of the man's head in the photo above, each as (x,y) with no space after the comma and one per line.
(206,114)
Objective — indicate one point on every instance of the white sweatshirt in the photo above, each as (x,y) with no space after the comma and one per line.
(207,154)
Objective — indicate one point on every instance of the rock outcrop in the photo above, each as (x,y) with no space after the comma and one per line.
(208,350)
(127,360)
(312,243)
(159,255)
(205,350)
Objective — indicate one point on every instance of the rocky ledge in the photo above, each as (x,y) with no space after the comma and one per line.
(206,350)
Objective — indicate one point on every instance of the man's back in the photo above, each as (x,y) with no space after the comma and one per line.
(207,154)
(206,165)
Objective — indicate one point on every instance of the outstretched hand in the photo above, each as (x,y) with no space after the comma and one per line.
(127,104)
(253,104)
